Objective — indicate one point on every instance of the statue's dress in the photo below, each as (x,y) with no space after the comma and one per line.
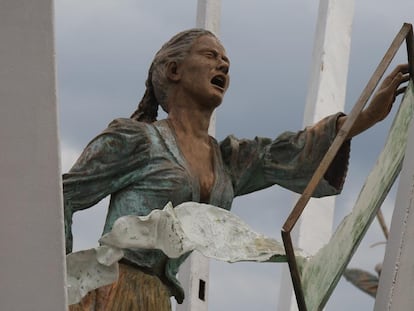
(142,168)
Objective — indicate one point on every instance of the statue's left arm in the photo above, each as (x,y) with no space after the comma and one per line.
(289,160)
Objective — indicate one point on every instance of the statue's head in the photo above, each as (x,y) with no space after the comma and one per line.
(175,50)
(158,85)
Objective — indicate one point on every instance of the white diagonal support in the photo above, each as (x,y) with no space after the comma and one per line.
(326,95)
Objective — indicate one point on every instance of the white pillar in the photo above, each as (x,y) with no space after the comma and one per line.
(326,95)
(32,269)
(194,272)
(396,285)
(208,15)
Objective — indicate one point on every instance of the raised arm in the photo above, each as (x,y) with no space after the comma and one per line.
(382,101)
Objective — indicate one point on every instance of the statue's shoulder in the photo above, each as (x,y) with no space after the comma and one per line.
(127,125)
(123,132)
(132,131)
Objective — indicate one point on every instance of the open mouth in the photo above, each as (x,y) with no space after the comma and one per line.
(219,81)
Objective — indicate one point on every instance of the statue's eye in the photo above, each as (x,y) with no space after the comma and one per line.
(210,54)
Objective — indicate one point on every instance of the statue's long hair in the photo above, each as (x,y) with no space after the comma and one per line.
(157,84)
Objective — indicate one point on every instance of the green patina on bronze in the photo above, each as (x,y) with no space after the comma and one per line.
(143,163)
(141,166)
(322,272)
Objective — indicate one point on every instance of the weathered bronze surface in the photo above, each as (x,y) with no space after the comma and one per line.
(144,164)
(135,290)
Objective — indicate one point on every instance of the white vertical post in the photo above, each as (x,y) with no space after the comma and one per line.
(194,273)
(208,15)
(326,95)
(32,269)
(396,285)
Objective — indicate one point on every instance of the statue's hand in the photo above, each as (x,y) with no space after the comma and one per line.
(382,101)
(384,98)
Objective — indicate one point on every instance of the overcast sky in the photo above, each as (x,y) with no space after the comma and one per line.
(104,49)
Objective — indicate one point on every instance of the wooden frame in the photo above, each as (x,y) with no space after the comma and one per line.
(405,34)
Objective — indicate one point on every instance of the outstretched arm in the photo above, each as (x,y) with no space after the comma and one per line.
(111,161)
(381,103)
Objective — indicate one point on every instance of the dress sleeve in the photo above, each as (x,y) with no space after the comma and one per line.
(110,162)
(289,161)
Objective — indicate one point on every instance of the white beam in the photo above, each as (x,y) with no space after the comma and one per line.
(194,272)
(31,226)
(208,15)
(396,285)
(326,95)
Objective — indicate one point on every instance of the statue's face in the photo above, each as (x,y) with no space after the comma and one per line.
(204,72)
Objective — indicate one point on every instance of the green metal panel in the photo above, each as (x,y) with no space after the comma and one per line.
(321,273)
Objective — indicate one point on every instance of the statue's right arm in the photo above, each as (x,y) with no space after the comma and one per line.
(82,184)
(109,163)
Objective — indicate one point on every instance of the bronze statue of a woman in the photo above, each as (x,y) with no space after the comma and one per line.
(143,163)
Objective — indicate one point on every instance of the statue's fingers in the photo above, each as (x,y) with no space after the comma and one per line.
(398,80)
(403,68)
(401,90)
(405,77)
(400,69)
